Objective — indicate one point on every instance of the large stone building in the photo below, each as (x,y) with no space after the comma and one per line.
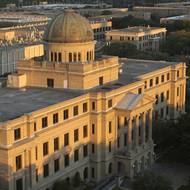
(144,38)
(71,114)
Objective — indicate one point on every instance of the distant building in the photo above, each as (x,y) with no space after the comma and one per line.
(100,26)
(162,11)
(144,38)
(10,55)
(173,19)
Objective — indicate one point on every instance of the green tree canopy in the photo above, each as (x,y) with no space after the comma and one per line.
(126,49)
(151,181)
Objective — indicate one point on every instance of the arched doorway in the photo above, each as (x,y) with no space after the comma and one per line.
(120,168)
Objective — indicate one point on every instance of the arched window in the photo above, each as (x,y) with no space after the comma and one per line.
(70,57)
(75,57)
(79,56)
(85,173)
(110,168)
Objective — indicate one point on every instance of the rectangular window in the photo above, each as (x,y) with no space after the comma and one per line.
(56,144)
(55,56)
(167,110)
(44,122)
(85,131)
(93,148)
(75,110)
(162,97)
(50,83)
(85,151)
(168,76)
(140,91)
(36,175)
(35,126)
(46,170)
(145,84)
(85,107)
(93,129)
(18,162)
(151,82)
(125,139)
(17,134)
(177,74)
(110,103)
(19,184)
(55,118)
(76,135)
(101,81)
(65,114)
(66,160)
(157,80)
(59,57)
(36,153)
(92,173)
(110,127)
(76,155)
(118,142)
(70,57)
(93,105)
(110,146)
(66,139)
(56,165)
(51,56)
(157,99)
(168,94)
(45,149)
(162,78)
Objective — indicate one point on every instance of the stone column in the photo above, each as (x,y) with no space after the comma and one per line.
(150,126)
(136,131)
(143,127)
(129,135)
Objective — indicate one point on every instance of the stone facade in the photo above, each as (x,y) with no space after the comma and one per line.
(95,128)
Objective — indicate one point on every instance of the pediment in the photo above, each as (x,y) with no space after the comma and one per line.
(133,101)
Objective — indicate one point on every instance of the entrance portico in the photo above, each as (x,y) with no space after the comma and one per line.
(134,118)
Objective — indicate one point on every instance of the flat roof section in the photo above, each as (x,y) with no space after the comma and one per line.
(17,102)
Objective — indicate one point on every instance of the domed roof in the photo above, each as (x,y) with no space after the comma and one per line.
(69,27)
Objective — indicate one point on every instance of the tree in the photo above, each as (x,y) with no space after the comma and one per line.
(127,21)
(126,49)
(76,180)
(151,181)
(185,187)
(62,185)
(178,43)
